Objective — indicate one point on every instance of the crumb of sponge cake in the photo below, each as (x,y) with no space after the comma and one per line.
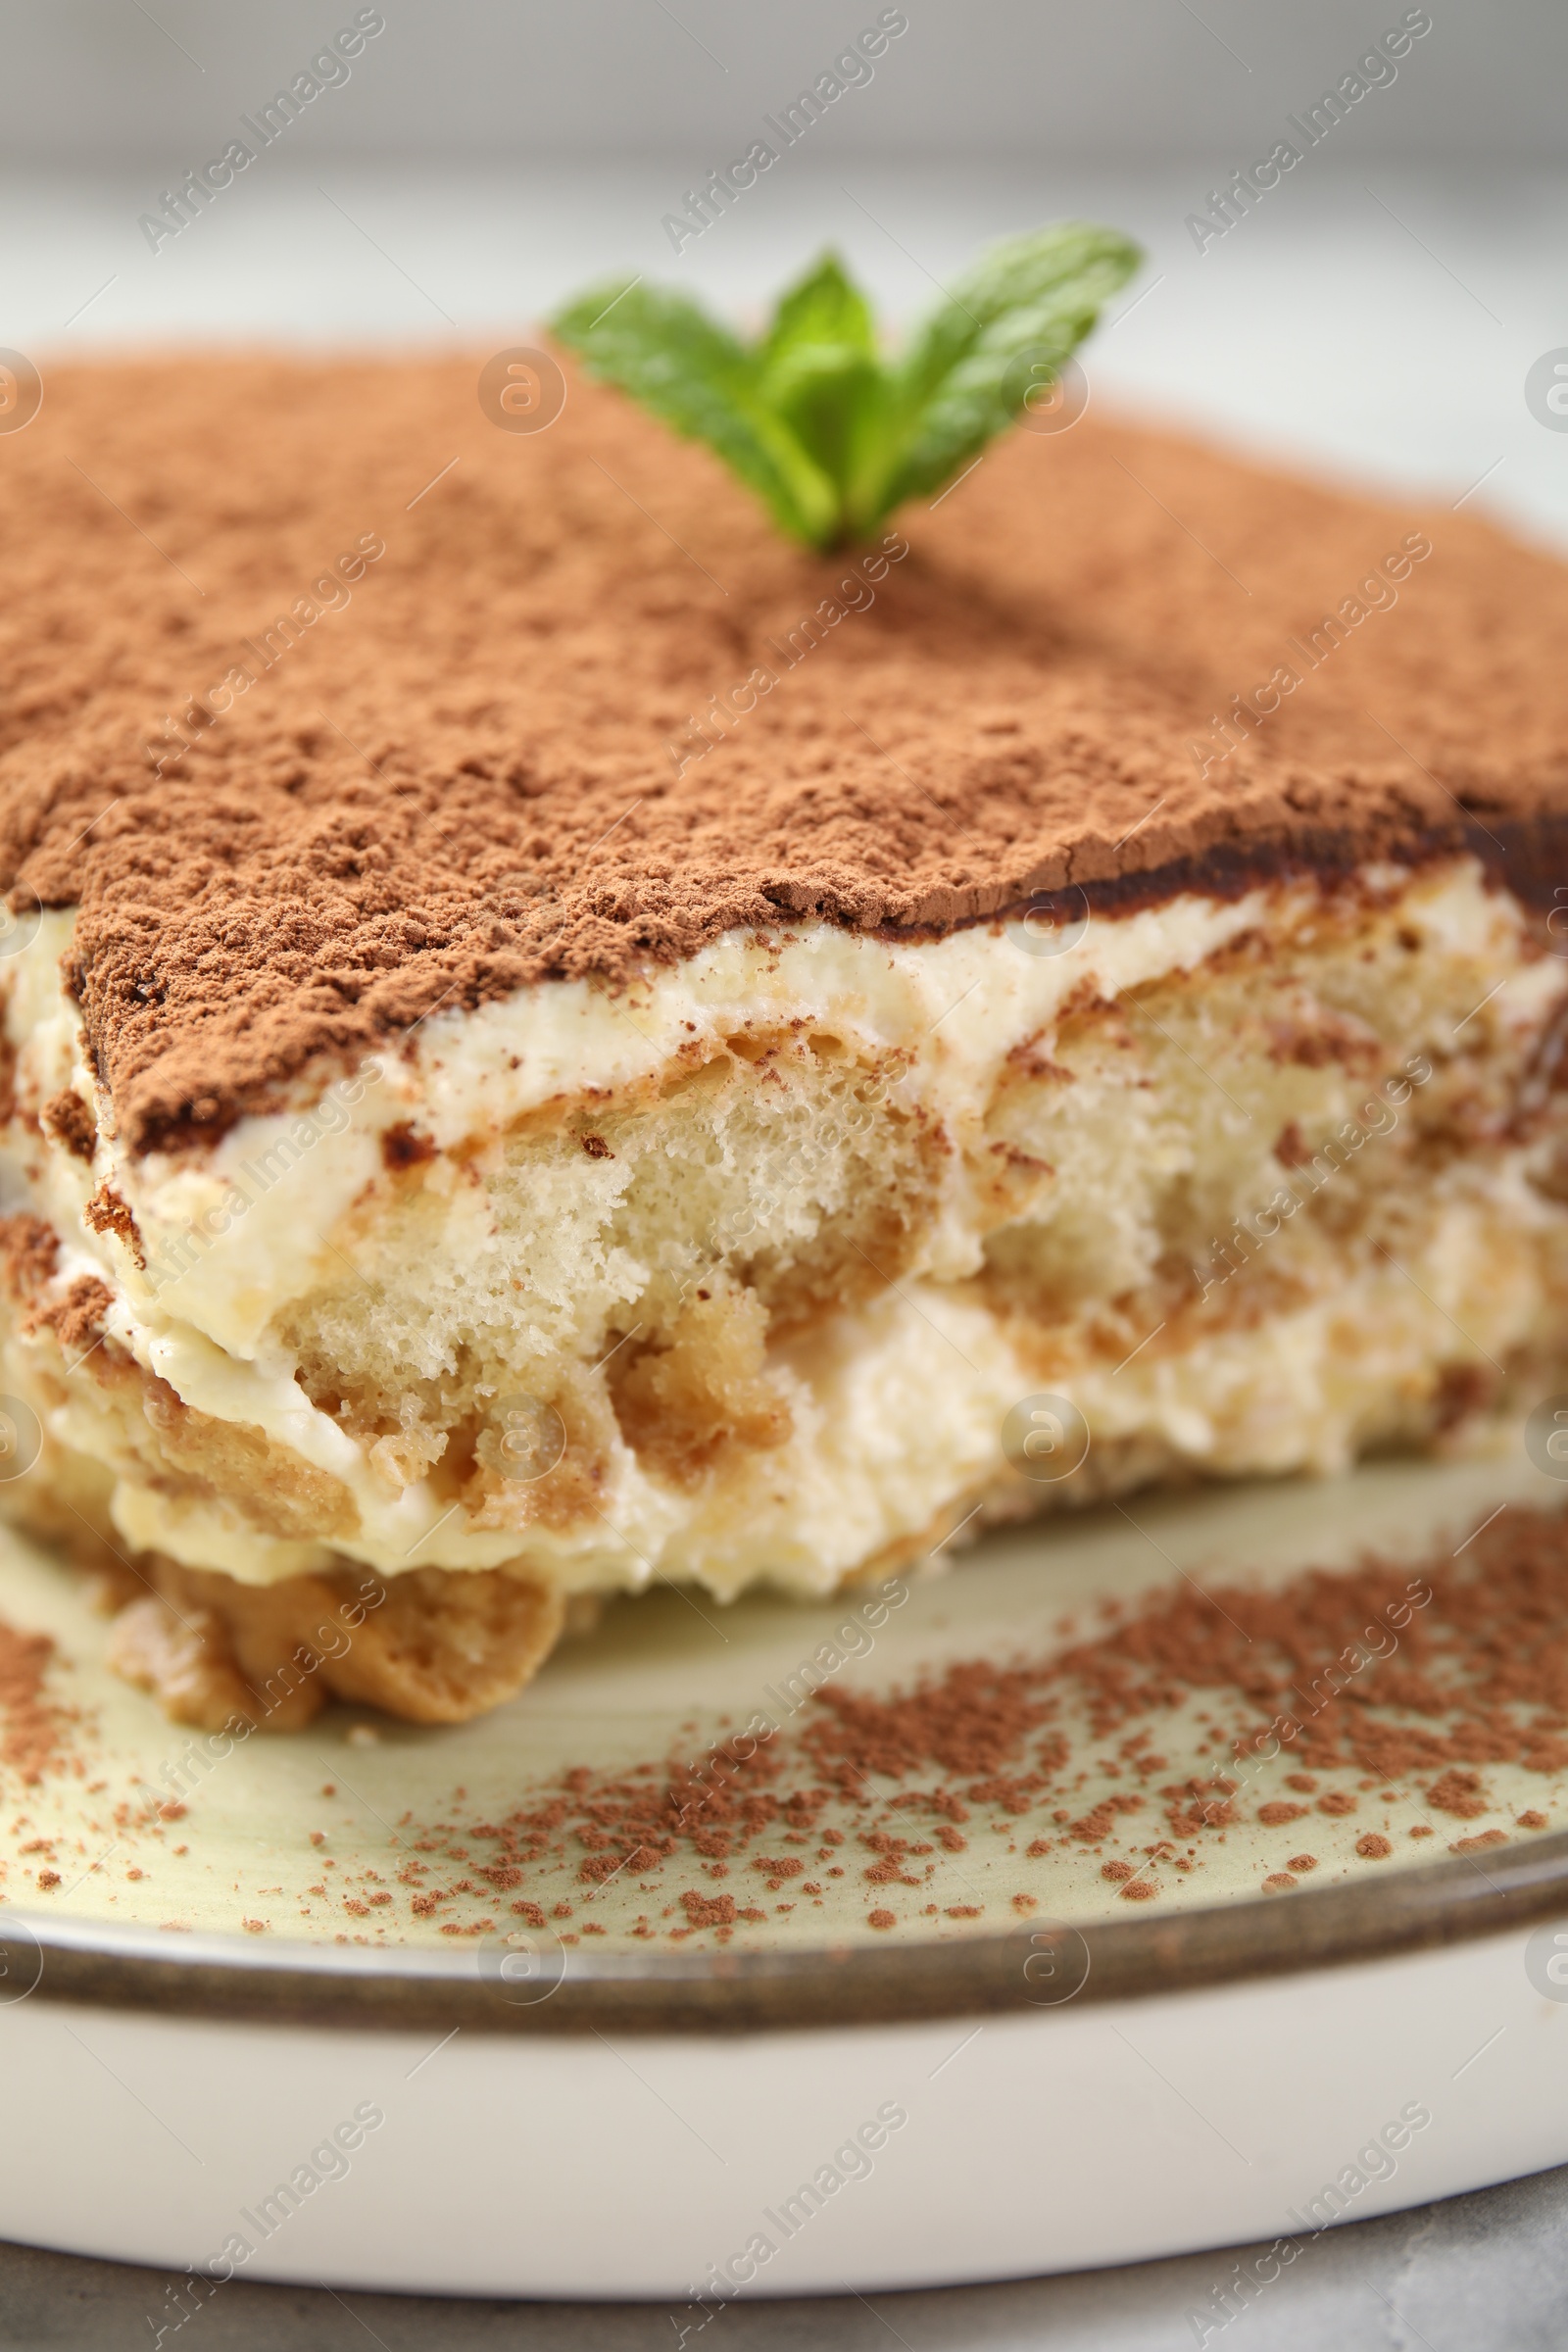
(429,1648)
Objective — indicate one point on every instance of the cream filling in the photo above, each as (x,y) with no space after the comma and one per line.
(897,1430)
(896,1413)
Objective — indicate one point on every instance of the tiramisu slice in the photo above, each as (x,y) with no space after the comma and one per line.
(558,1041)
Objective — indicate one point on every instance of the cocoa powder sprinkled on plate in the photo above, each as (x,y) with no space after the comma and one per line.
(1400,1674)
(33,1727)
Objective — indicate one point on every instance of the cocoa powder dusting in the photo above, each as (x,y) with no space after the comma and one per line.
(69,1119)
(32,1729)
(1416,1678)
(77,1319)
(375,708)
(30,1252)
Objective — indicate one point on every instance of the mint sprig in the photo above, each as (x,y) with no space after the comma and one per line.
(830,433)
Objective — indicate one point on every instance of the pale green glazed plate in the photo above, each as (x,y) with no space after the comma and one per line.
(268,1891)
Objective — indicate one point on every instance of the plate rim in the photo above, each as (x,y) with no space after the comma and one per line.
(1036,1964)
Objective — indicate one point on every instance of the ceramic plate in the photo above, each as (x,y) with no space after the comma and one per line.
(210,1946)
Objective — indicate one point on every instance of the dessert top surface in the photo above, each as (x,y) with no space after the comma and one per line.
(330,701)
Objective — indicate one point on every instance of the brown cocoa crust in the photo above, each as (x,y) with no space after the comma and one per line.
(1526,858)
(77,1321)
(29,1259)
(461,781)
(30,1252)
(69,1120)
(109,1211)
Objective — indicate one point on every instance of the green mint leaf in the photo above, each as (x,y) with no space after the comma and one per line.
(665,351)
(823,309)
(818,368)
(830,435)
(956,386)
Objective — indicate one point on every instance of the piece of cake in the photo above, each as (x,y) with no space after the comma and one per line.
(556,1042)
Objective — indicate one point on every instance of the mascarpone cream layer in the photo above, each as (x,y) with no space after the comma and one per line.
(263,1217)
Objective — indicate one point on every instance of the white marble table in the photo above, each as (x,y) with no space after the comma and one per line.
(1487,2273)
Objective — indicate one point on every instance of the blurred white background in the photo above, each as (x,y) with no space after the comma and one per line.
(1376,315)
